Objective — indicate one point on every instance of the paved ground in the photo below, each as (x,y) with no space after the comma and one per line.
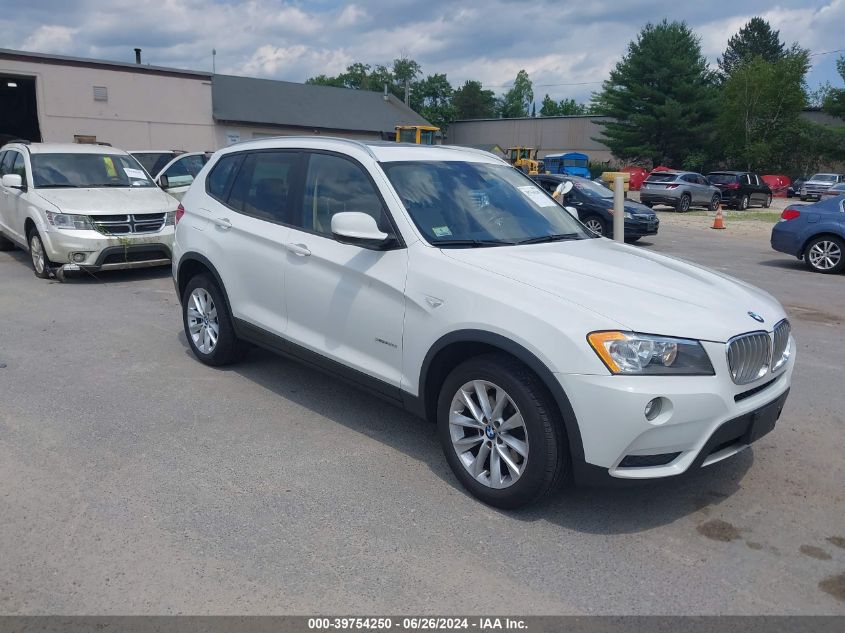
(136,480)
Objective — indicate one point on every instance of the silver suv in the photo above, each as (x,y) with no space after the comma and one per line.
(679,189)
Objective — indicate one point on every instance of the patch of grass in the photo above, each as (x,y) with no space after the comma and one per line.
(759,216)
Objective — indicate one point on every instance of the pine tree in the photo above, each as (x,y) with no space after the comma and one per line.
(755,39)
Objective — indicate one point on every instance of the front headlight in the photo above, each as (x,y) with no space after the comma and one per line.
(70,221)
(170,218)
(632,354)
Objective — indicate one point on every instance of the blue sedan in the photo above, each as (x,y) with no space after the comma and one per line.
(814,232)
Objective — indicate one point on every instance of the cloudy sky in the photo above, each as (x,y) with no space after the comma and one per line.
(567,47)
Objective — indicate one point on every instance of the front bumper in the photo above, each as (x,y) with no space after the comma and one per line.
(102,252)
(642,227)
(696,412)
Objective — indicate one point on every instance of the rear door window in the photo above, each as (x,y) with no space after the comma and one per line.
(264,186)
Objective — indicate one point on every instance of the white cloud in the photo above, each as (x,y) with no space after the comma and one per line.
(51,39)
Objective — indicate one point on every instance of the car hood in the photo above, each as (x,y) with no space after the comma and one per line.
(818,183)
(109,201)
(631,206)
(640,290)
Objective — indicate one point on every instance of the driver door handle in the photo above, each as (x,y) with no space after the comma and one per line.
(223,223)
(298,249)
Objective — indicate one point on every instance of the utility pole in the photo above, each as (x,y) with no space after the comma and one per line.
(407,92)
(213,61)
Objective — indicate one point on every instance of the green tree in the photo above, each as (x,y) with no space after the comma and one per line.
(834,100)
(471,101)
(755,39)
(404,69)
(760,114)
(517,101)
(324,80)
(661,96)
(571,107)
(549,107)
(432,98)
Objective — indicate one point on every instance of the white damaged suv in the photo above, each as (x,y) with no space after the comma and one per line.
(449,283)
(86,207)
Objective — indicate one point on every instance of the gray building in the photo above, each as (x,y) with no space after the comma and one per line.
(550,135)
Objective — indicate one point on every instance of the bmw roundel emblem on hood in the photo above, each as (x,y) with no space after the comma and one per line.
(756,316)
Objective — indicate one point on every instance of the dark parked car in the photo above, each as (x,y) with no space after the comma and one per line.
(793,189)
(679,189)
(814,233)
(741,189)
(594,204)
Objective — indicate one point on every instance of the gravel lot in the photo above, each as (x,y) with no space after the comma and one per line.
(136,480)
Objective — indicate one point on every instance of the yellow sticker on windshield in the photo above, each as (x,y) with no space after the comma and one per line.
(111,172)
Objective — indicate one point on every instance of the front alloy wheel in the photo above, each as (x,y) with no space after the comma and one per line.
(488,434)
(40,261)
(595,225)
(824,255)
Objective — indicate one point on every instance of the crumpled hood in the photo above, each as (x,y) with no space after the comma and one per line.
(110,200)
(640,290)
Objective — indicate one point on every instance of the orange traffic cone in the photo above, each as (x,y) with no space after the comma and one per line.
(719,222)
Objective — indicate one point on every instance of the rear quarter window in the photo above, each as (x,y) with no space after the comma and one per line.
(219,180)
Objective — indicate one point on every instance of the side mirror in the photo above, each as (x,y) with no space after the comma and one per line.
(360,229)
(13,181)
(164,182)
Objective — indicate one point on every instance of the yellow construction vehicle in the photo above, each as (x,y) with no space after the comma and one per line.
(525,159)
(419,134)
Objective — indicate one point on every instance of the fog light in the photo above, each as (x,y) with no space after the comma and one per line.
(653,408)
(78,257)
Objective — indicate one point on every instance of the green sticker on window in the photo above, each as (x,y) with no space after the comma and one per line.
(441,231)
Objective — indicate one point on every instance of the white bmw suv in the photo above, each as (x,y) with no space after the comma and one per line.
(85,207)
(449,283)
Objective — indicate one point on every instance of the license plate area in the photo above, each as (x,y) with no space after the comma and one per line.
(763,420)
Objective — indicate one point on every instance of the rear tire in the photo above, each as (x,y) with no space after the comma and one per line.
(208,324)
(683,204)
(518,449)
(743,203)
(41,264)
(825,254)
(768,201)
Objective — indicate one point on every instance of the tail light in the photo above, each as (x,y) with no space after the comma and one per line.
(732,185)
(180,211)
(789,214)
(672,186)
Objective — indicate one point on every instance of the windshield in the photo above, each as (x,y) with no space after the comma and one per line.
(824,177)
(722,179)
(465,204)
(154,162)
(591,189)
(87,170)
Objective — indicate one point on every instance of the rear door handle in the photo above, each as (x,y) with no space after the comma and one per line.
(298,249)
(223,223)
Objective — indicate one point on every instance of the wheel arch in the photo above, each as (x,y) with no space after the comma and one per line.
(460,345)
(824,233)
(192,264)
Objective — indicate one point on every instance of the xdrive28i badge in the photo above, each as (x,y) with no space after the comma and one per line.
(756,316)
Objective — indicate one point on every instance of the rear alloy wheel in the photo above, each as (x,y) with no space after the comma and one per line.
(41,264)
(824,254)
(208,325)
(595,224)
(743,203)
(768,201)
(500,431)
(714,203)
(683,204)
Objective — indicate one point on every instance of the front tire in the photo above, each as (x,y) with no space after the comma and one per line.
(41,264)
(208,324)
(714,203)
(824,254)
(596,225)
(500,431)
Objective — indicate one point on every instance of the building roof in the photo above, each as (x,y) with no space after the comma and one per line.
(536,118)
(284,103)
(64,60)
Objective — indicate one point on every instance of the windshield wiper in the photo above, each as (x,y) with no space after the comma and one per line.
(472,243)
(56,185)
(560,237)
